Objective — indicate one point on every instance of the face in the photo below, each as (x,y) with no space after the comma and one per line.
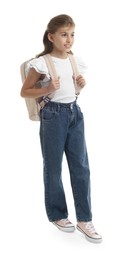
(63,39)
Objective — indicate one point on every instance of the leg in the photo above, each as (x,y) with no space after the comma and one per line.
(76,153)
(53,136)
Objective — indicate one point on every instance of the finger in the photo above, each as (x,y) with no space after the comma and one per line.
(81,83)
(73,76)
(79,77)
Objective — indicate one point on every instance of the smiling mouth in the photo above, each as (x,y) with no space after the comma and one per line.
(67,46)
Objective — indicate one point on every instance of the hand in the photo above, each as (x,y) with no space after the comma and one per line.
(80,81)
(54,85)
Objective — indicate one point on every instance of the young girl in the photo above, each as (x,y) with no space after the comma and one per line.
(62,128)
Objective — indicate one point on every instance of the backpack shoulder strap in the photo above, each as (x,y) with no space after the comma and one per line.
(52,68)
(73,64)
(50,65)
(75,71)
(53,72)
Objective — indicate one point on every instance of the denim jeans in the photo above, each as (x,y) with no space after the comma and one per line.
(62,130)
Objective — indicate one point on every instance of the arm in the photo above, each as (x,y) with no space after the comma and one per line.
(28,89)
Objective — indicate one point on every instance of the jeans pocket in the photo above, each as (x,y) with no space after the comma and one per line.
(80,114)
(48,115)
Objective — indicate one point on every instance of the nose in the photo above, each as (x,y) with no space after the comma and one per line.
(69,39)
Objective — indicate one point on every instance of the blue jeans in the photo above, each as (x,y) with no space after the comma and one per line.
(62,130)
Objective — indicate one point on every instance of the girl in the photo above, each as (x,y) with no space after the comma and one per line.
(62,129)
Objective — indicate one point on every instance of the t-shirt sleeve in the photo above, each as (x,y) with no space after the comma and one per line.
(40,66)
(81,65)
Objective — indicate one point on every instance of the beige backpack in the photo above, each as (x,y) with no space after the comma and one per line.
(33,105)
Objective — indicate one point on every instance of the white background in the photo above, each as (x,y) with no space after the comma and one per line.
(101,41)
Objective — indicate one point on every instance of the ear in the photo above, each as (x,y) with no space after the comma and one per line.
(50,37)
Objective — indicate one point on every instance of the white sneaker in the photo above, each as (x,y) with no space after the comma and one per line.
(89,231)
(64,225)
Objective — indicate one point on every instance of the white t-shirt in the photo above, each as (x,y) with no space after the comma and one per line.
(66,92)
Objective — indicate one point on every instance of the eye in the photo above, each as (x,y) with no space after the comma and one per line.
(64,34)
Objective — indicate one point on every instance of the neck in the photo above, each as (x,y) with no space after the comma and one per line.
(60,55)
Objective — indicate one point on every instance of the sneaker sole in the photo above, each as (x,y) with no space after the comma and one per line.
(65,229)
(92,240)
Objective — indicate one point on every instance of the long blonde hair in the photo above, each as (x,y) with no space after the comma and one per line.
(54,24)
